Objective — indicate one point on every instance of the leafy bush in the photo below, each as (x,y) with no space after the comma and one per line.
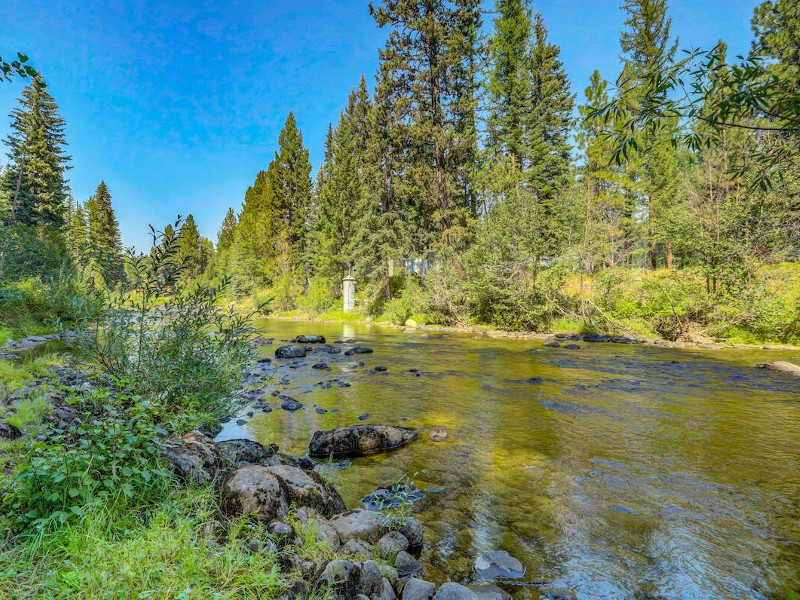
(110,458)
(172,345)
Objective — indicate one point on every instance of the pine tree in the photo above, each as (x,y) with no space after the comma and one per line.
(509,83)
(193,250)
(292,193)
(225,235)
(647,47)
(36,148)
(427,65)
(78,236)
(105,242)
(341,187)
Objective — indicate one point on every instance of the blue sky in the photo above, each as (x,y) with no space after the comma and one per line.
(178,104)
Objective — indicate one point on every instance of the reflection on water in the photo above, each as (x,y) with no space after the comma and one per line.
(617,471)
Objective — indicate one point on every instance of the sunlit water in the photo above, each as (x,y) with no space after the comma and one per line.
(629,472)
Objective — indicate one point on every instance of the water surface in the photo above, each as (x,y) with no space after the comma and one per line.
(623,472)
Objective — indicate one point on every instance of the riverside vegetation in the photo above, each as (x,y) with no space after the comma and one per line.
(628,213)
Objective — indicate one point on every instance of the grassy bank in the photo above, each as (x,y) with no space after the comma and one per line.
(669,304)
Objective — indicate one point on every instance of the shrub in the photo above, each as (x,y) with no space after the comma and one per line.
(111,458)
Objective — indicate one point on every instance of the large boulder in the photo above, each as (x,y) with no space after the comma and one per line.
(243,451)
(308,489)
(360,524)
(782,367)
(358,440)
(255,490)
(309,339)
(193,457)
(290,352)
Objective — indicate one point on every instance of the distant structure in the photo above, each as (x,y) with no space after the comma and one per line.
(349,293)
(413,266)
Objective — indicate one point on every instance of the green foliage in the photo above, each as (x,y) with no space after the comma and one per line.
(104,247)
(175,345)
(109,458)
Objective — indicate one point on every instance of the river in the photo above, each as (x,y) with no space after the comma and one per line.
(628,471)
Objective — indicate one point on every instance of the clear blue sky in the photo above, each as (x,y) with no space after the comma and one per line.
(178,104)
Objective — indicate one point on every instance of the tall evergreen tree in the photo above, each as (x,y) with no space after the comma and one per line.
(36,145)
(427,68)
(227,230)
(78,236)
(647,47)
(292,192)
(194,251)
(105,241)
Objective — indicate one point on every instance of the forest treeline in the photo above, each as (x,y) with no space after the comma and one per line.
(470,149)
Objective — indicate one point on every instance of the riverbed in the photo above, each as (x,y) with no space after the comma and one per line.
(613,470)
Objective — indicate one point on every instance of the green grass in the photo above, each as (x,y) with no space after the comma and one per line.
(158,552)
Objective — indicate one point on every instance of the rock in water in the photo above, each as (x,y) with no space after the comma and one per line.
(309,339)
(490,592)
(358,440)
(290,404)
(290,352)
(498,564)
(439,434)
(359,350)
(783,367)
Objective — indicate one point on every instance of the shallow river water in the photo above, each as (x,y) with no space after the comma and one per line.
(628,472)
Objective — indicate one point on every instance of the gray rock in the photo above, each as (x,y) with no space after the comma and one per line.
(417,589)
(390,573)
(193,457)
(309,489)
(490,592)
(357,549)
(342,578)
(255,490)
(498,563)
(371,578)
(241,450)
(359,350)
(439,434)
(386,592)
(360,524)
(391,544)
(406,564)
(782,366)
(290,352)
(9,431)
(309,339)
(326,534)
(413,531)
(358,440)
(454,591)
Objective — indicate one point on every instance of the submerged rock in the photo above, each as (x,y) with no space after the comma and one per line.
(490,592)
(359,350)
(290,404)
(392,497)
(439,434)
(290,352)
(552,345)
(498,564)
(358,440)
(782,366)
